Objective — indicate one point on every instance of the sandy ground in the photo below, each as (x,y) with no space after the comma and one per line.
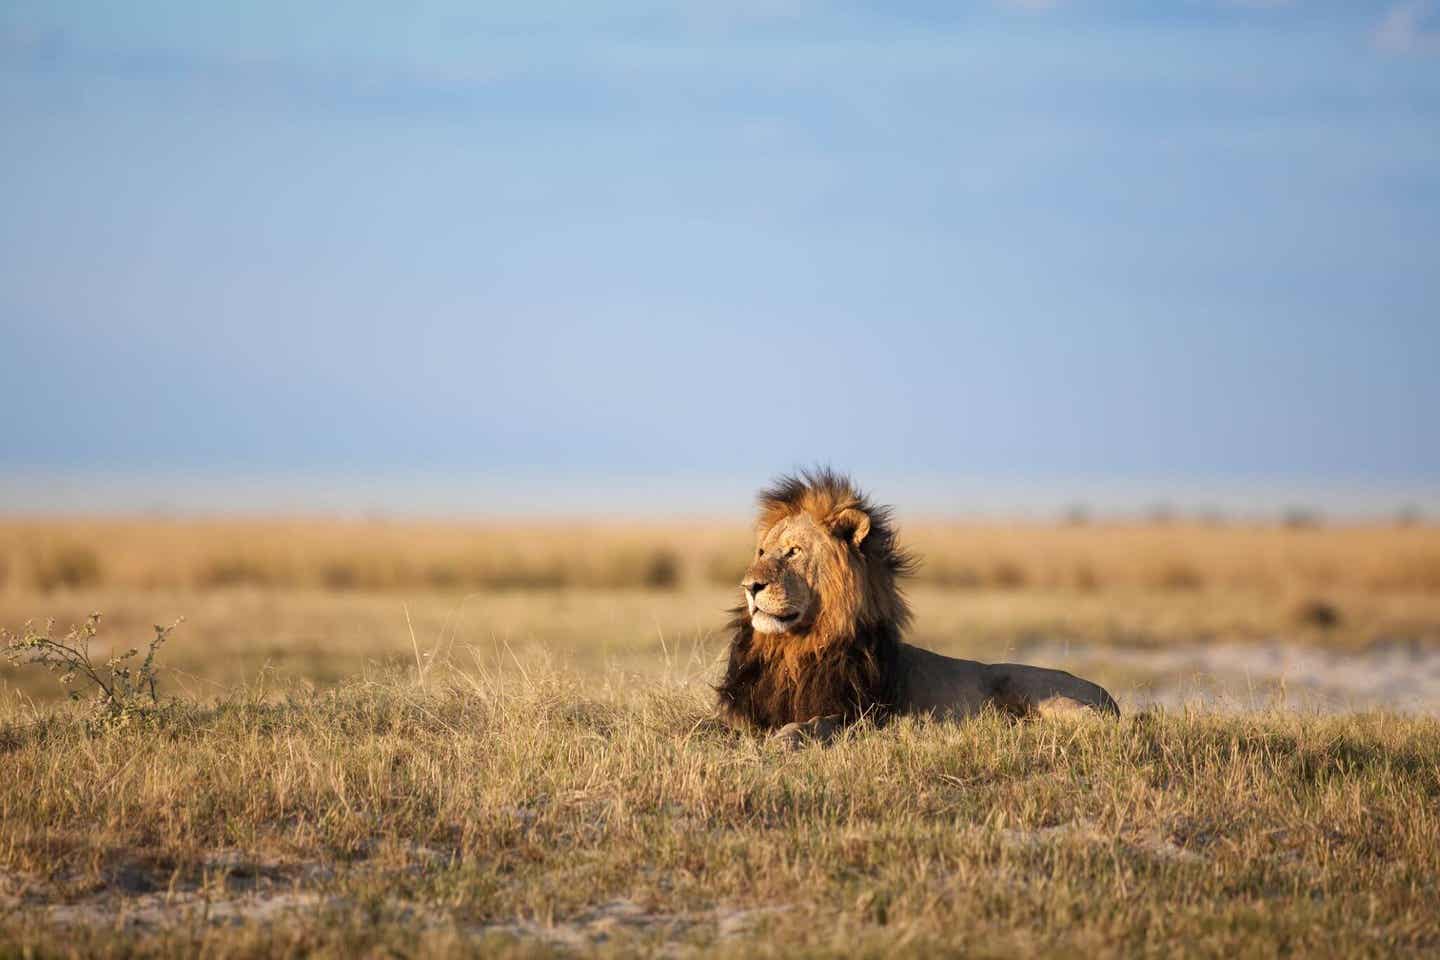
(1399,677)
(248,892)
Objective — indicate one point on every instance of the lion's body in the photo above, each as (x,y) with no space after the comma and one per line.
(951,689)
(818,641)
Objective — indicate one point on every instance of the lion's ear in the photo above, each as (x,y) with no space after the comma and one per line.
(851,524)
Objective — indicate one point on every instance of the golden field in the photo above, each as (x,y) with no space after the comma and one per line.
(321,600)
(426,739)
(51,554)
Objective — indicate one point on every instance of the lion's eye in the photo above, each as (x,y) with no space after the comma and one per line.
(760,552)
(792,552)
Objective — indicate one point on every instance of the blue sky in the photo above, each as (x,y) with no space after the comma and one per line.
(1125,243)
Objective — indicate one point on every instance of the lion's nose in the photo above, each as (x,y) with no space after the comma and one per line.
(755,586)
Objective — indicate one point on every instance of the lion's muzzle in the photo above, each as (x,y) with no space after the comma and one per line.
(773,602)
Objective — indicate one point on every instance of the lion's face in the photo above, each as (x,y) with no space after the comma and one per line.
(819,631)
(802,567)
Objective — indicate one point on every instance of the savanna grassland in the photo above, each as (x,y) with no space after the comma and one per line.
(451,739)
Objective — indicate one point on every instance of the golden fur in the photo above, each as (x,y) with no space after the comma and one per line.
(818,638)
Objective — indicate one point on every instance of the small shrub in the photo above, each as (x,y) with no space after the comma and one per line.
(1409,515)
(1084,578)
(1179,576)
(516,574)
(235,572)
(662,572)
(340,575)
(628,569)
(954,576)
(69,567)
(1318,613)
(120,688)
(1007,575)
(1301,518)
(443,576)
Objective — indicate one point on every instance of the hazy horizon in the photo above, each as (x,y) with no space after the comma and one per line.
(680,495)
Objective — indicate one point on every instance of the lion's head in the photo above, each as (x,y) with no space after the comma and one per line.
(822,609)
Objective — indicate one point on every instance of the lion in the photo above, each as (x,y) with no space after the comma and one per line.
(817,641)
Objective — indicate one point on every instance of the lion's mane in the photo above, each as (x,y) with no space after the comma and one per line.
(848,669)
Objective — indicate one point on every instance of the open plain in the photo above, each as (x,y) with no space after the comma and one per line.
(432,739)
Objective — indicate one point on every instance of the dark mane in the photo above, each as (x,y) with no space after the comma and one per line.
(853,675)
(854,679)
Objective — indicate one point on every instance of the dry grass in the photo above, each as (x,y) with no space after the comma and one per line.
(552,783)
(500,812)
(236,635)
(47,555)
(52,554)
(322,601)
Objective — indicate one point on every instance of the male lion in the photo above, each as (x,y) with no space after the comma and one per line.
(817,643)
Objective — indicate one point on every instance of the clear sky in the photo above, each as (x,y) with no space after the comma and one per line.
(1189,241)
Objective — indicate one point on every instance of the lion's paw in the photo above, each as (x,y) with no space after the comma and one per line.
(792,736)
